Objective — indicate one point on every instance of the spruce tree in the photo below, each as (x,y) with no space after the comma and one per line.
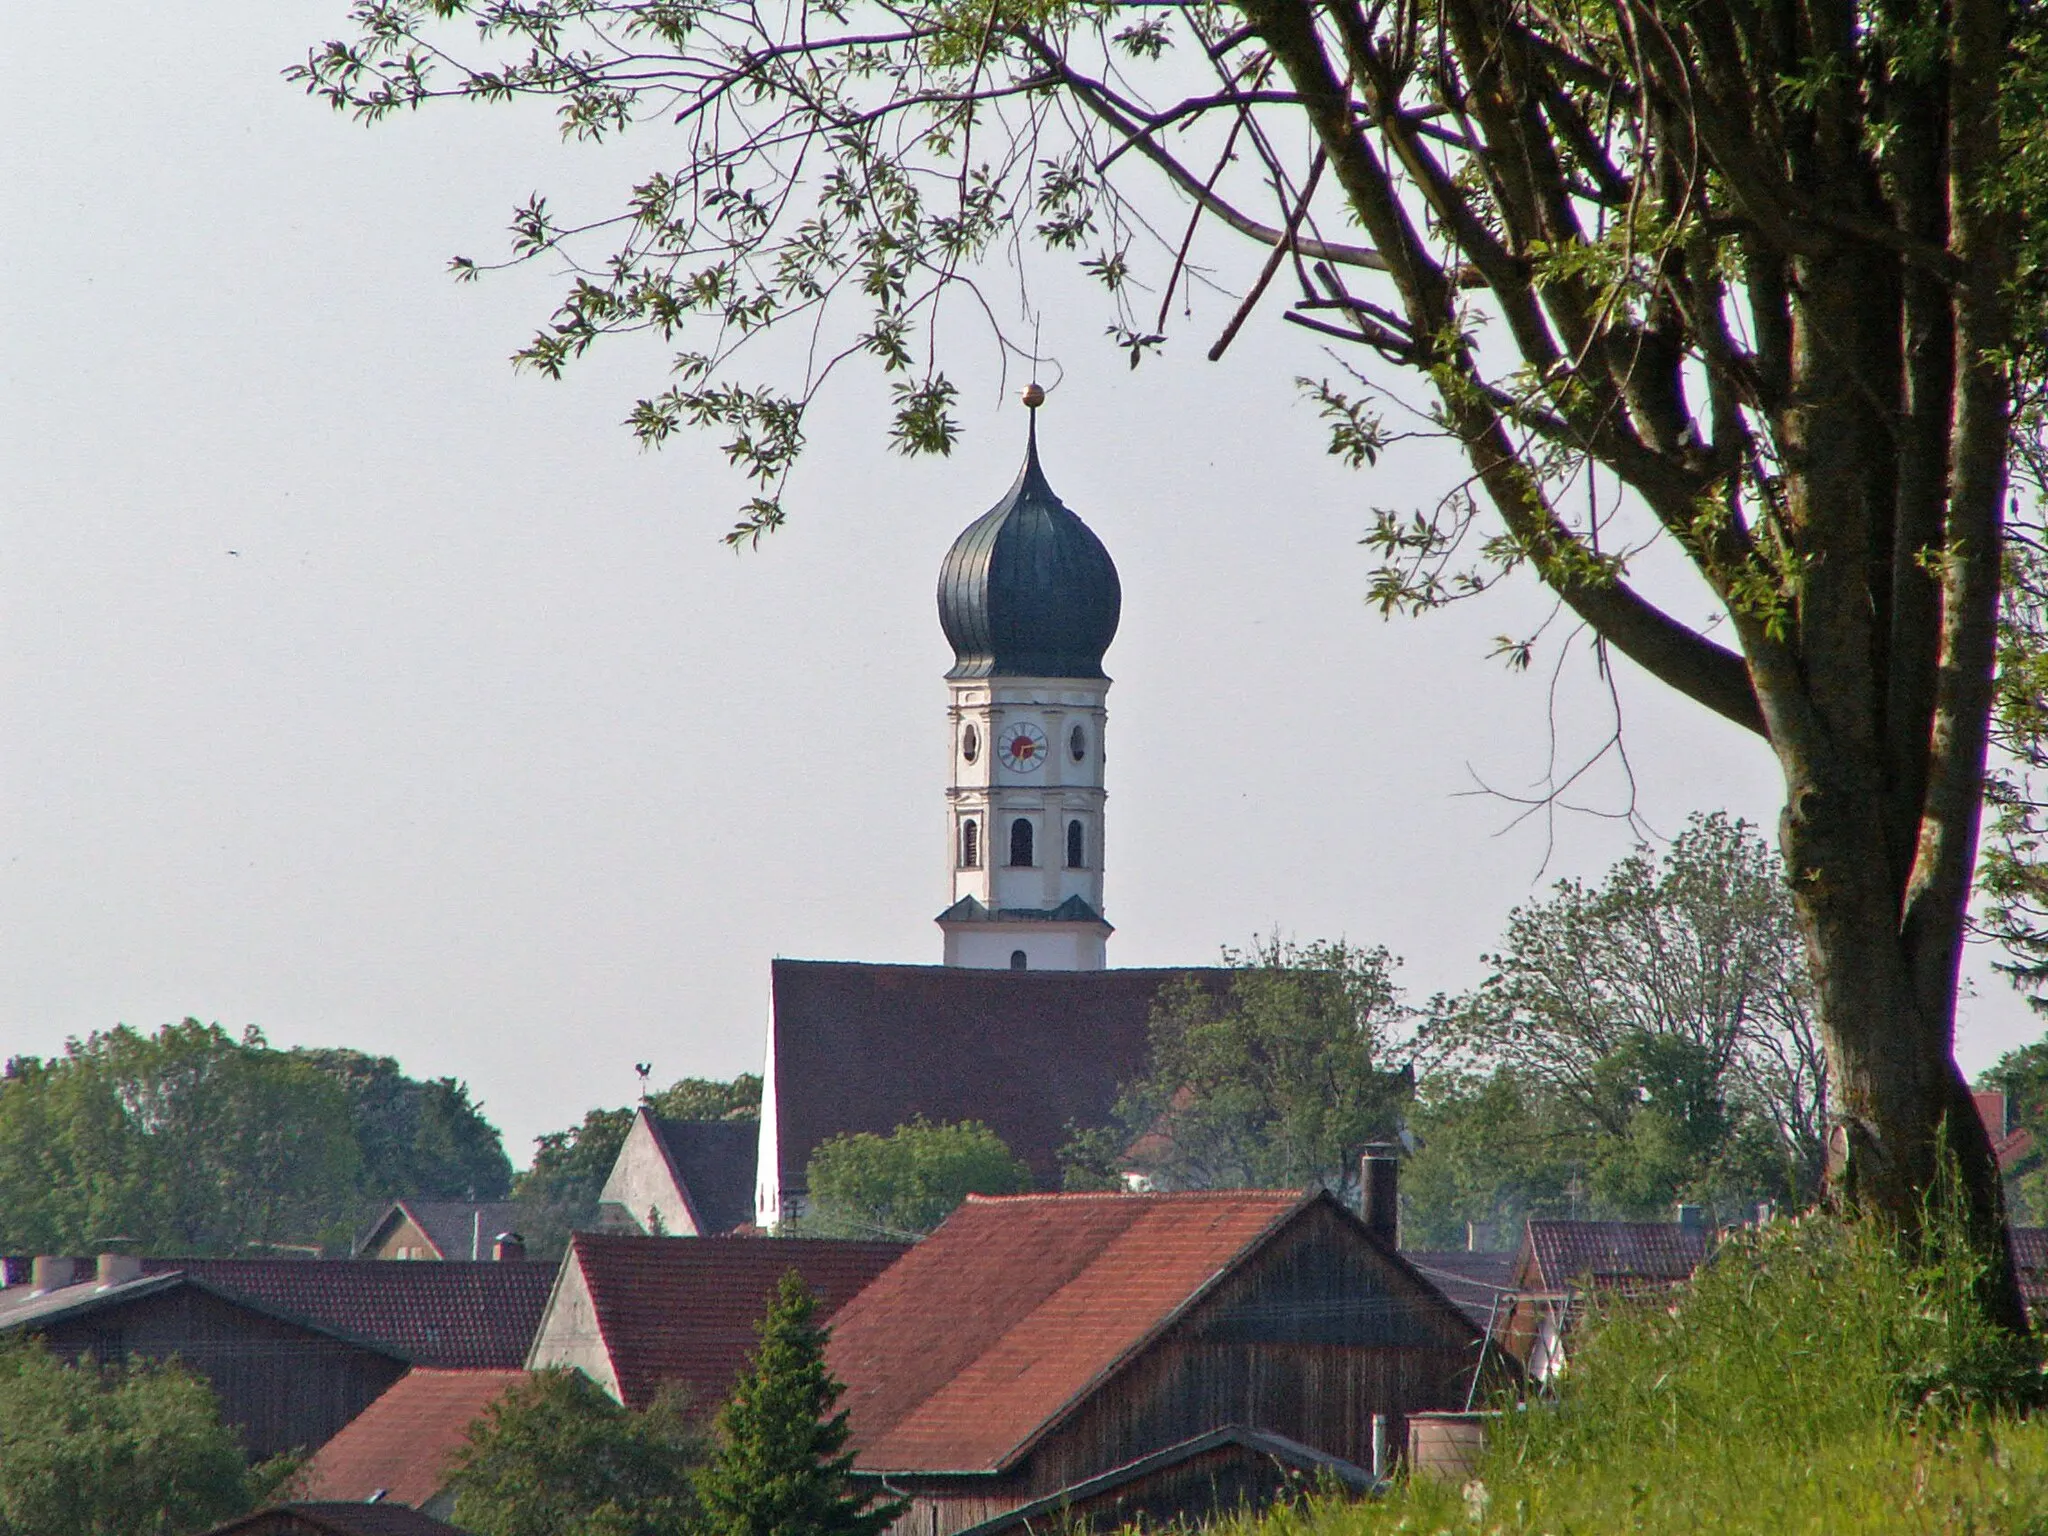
(781,1468)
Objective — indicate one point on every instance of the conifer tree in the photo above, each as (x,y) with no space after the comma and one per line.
(781,1468)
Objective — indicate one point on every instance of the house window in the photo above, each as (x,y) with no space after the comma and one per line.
(970,844)
(1020,844)
(1018,962)
(1075,848)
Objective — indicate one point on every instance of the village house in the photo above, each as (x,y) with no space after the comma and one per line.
(1561,1263)
(402,1448)
(1036,1344)
(636,1314)
(293,1348)
(681,1178)
(415,1228)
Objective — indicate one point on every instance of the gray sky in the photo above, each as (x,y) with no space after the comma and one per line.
(352,686)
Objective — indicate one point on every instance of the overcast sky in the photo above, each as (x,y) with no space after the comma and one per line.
(355,687)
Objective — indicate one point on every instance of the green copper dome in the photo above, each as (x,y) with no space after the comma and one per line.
(1027,590)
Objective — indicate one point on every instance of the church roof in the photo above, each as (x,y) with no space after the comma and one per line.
(1027,590)
(713,1161)
(870,1047)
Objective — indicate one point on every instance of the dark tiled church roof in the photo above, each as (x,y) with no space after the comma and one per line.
(714,1161)
(870,1047)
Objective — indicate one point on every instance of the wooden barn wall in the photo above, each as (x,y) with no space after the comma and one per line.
(1310,1340)
(283,1387)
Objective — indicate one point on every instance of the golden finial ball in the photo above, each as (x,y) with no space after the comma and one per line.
(1034,397)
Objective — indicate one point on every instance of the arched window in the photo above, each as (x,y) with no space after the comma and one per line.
(1020,843)
(970,844)
(1077,743)
(1018,961)
(1075,847)
(970,743)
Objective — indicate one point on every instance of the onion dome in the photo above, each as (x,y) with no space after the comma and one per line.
(1027,590)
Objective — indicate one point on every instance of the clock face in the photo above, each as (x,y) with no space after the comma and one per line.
(1023,747)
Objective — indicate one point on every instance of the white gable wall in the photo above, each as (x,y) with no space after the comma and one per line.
(642,1193)
(569,1335)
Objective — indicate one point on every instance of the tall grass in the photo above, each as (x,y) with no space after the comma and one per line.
(1809,1380)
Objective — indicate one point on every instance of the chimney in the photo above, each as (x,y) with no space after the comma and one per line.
(1692,1218)
(508,1247)
(1379,1191)
(52,1273)
(118,1269)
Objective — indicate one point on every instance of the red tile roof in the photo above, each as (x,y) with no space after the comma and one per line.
(870,1047)
(457,1314)
(687,1309)
(404,1443)
(984,1333)
(1605,1254)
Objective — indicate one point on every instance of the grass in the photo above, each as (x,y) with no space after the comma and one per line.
(1809,1381)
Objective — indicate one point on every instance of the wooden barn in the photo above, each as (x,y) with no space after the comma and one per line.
(283,1382)
(294,1348)
(1036,1343)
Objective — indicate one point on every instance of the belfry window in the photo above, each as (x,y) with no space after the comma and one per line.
(970,844)
(1077,744)
(970,743)
(1018,960)
(1020,844)
(1076,846)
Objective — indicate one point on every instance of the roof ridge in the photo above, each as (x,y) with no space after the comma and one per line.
(1177,1195)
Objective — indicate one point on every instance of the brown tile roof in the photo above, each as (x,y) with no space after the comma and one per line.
(990,1328)
(713,1161)
(454,1227)
(404,1443)
(869,1047)
(456,1314)
(686,1309)
(1607,1254)
(336,1519)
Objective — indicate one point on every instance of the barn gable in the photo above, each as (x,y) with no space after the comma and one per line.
(1036,1342)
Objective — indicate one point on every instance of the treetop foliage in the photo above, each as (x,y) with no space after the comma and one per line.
(137,1450)
(193,1141)
(1644,1040)
(782,1467)
(906,1183)
(556,1456)
(1277,1082)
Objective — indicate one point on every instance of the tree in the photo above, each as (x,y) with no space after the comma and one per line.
(555,1456)
(187,1141)
(703,1098)
(1274,1083)
(1667,1008)
(1774,276)
(417,1137)
(558,1194)
(906,1183)
(137,1450)
(782,1467)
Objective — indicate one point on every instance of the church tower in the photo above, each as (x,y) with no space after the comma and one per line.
(1029,599)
